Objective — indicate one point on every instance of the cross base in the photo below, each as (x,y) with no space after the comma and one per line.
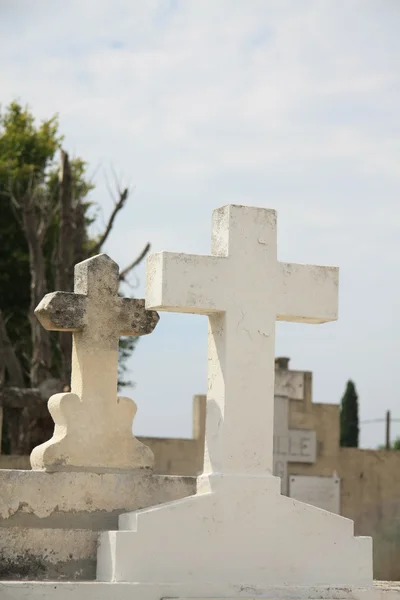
(92,590)
(82,441)
(236,531)
(54,590)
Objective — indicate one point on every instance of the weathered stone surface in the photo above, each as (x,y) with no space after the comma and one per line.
(41,554)
(93,427)
(49,523)
(62,311)
(44,495)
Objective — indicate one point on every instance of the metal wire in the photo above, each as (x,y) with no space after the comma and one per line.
(378,421)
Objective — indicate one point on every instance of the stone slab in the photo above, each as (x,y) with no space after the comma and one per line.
(298,446)
(44,495)
(12,590)
(49,523)
(323,492)
(302,446)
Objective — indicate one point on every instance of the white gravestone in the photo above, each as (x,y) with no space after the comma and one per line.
(93,426)
(289,383)
(238,536)
(323,492)
(290,445)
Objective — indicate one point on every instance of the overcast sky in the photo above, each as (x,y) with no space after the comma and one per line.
(291,105)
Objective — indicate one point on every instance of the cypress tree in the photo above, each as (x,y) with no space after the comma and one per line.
(349,429)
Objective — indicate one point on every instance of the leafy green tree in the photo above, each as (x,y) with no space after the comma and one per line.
(396,444)
(349,428)
(45,213)
(26,152)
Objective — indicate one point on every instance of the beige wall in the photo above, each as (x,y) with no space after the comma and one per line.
(370,480)
(15,462)
(370,496)
(171,456)
(174,456)
(324,420)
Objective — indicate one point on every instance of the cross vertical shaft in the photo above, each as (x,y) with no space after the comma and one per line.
(236,441)
(241,344)
(95,348)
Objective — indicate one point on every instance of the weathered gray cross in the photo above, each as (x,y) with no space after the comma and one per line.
(243,289)
(93,427)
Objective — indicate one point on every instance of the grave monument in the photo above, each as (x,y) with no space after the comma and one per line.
(238,533)
(237,537)
(93,468)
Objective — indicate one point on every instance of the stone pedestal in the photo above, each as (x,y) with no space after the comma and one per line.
(50,522)
(237,531)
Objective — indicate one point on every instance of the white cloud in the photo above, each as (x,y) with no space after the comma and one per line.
(286,104)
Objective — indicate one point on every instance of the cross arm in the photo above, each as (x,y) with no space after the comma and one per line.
(62,311)
(308,293)
(185,283)
(134,319)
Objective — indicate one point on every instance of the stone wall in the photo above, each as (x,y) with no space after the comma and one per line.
(370,483)
(370,495)
(174,456)
(324,420)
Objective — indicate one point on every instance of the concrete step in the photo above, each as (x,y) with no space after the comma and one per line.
(29,590)
(167,541)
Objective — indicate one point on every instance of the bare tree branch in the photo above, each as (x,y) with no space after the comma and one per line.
(109,189)
(34,230)
(65,259)
(123,274)
(8,358)
(123,195)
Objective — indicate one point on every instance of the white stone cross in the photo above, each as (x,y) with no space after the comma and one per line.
(243,289)
(93,427)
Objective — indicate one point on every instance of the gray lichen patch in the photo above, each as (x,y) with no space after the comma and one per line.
(62,311)
(23,566)
(28,566)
